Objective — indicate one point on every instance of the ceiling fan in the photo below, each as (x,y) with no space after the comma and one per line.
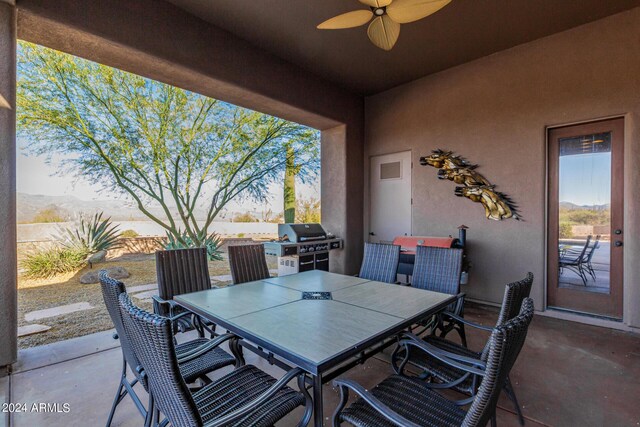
(387,16)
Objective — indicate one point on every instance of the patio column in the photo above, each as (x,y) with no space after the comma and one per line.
(341,194)
(8,280)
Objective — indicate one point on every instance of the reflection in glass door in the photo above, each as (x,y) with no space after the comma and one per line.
(585,218)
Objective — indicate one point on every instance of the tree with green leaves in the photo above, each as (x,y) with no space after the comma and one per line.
(161,146)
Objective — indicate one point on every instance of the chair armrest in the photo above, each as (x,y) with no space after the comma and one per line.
(466,364)
(459,303)
(376,404)
(467,322)
(268,394)
(202,349)
(157,302)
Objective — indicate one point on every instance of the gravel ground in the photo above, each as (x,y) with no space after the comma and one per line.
(67,289)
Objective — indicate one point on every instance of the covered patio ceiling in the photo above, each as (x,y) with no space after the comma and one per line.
(461,32)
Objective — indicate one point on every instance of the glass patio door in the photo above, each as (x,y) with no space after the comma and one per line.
(585,218)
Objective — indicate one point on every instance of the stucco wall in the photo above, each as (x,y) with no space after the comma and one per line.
(495,111)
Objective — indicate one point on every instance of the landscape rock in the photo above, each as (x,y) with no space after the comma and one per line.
(97,257)
(114,273)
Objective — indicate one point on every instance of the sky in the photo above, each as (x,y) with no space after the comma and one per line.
(585,179)
(35,176)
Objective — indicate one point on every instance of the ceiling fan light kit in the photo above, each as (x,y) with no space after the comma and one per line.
(385,17)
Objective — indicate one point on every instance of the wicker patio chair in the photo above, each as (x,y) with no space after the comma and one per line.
(181,271)
(438,270)
(210,358)
(575,260)
(433,368)
(380,262)
(245,397)
(248,263)
(409,402)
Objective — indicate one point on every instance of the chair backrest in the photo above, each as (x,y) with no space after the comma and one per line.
(505,344)
(593,248)
(152,341)
(437,269)
(583,251)
(514,295)
(248,263)
(111,291)
(380,262)
(181,271)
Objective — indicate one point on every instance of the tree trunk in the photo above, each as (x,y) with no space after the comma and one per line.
(290,187)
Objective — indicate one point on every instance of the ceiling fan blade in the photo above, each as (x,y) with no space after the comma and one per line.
(347,20)
(376,3)
(383,32)
(404,11)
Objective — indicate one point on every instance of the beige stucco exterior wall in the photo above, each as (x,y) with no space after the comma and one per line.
(495,111)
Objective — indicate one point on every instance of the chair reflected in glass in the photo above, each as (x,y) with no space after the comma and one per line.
(579,259)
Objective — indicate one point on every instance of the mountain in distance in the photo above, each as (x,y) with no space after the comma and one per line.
(30,205)
(572,206)
(71,207)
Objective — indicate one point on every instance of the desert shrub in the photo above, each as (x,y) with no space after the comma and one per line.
(308,211)
(49,215)
(566,230)
(45,263)
(245,217)
(212,243)
(240,235)
(129,234)
(92,235)
(270,216)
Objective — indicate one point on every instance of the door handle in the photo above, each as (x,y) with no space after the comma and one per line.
(617,243)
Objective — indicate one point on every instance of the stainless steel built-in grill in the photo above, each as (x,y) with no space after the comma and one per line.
(302,247)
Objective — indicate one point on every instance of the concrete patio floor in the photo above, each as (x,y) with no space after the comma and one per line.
(568,374)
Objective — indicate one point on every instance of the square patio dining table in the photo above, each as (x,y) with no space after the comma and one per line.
(321,322)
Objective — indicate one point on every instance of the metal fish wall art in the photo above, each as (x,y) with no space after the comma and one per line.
(473,186)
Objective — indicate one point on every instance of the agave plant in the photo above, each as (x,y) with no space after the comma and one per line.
(92,235)
(212,242)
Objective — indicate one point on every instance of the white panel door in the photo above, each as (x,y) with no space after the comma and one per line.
(390,195)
